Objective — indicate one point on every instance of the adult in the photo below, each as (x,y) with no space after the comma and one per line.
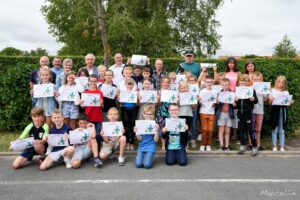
(35,75)
(67,67)
(189,64)
(117,68)
(57,68)
(90,61)
(158,72)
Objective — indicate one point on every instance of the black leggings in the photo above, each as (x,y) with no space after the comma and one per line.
(129,116)
(245,128)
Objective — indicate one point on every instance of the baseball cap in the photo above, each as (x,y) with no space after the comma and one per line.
(188,53)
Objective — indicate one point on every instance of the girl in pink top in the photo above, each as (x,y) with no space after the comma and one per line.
(232,73)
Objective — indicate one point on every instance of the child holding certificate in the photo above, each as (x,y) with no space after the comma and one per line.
(47,103)
(110,143)
(207,114)
(175,141)
(225,116)
(147,86)
(278,113)
(39,131)
(69,100)
(147,141)
(62,149)
(245,111)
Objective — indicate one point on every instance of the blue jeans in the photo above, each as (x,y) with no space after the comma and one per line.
(194,124)
(176,156)
(98,126)
(144,159)
(278,130)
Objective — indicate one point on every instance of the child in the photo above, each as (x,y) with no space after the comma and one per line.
(192,80)
(94,113)
(250,69)
(127,73)
(82,72)
(207,115)
(83,151)
(147,83)
(175,141)
(172,78)
(146,74)
(108,103)
(245,110)
(185,111)
(47,103)
(163,108)
(70,109)
(111,143)
(258,111)
(57,152)
(224,115)
(60,79)
(147,142)
(39,131)
(129,114)
(278,114)
(101,72)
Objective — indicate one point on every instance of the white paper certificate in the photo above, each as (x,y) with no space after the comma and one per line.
(112,128)
(194,88)
(22,144)
(109,91)
(90,99)
(82,83)
(187,98)
(145,127)
(68,94)
(262,87)
(175,124)
(169,96)
(56,140)
(128,96)
(43,90)
(148,96)
(180,77)
(174,86)
(226,97)
(208,65)
(210,97)
(138,60)
(79,136)
(282,100)
(244,92)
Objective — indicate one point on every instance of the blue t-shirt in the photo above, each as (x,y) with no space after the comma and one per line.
(174,140)
(193,67)
(57,70)
(64,129)
(129,105)
(147,144)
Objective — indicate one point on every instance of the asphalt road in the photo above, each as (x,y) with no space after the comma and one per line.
(205,177)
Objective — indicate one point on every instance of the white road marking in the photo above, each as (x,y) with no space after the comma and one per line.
(108,181)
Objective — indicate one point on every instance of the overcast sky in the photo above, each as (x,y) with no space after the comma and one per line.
(247,26)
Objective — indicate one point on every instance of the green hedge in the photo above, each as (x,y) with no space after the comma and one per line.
(15,102)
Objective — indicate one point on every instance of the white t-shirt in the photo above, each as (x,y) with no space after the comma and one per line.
(207,107)
(186,110)
(118,76)
(259,107)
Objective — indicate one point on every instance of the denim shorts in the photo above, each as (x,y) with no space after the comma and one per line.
(224,120)
(82,152)
(70,110)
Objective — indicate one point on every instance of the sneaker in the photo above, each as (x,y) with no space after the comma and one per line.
(67,160)
(222,148)
(226,149)
(193,143)
(274,148)
(242,149)
(261,148)
(282,149)
(199,138)
(202,148)
(131,148)
(208,148)
(98,162)
(249,147)
(238,142)
(121,161)
(254,151)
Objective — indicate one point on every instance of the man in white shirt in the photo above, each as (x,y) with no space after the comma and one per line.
(117,68)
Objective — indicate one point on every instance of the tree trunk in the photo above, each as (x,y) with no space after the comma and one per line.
(100,17)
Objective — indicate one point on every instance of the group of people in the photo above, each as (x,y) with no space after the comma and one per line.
(241,120)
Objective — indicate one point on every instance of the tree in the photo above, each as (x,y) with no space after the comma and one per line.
(37,52)
(285,49)
(151,27)
(11,51)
